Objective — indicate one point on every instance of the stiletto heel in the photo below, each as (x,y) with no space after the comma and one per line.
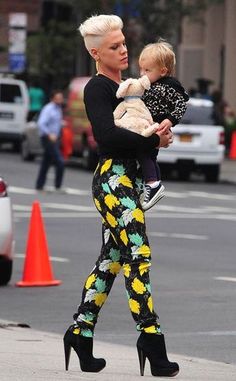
(83,346)
(67,350)
(142,359)
(153,347)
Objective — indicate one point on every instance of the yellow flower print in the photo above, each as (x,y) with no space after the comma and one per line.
(151,329)
(124,237)
(111,201)
(124,180)
(138,286)
(143,268)
(134,306)
(138,215)
(150,303)
(76,331)
(91,279)
(106,166)
(114,267)
(97,204)
(111,219)
(100,299)
(144,250)
(126,269)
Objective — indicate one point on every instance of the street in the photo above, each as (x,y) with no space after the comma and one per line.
(192,235)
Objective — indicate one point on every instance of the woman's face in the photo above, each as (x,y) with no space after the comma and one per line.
(112,53)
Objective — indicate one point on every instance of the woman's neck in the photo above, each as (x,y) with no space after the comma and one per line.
(113,75)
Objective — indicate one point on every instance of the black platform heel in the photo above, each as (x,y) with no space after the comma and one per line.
(83,346)
(153,347)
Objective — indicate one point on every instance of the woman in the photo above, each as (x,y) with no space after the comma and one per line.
(116,196)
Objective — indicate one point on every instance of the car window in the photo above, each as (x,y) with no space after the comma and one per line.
(10,93)
(198,115)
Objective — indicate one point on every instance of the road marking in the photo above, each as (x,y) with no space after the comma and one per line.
(80,192)
(53,259)
(203,333)
(49,189)
(213,196)
(177,235)
(225,278)
(77,208)
(89,214)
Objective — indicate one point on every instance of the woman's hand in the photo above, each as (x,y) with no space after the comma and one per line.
(166,137)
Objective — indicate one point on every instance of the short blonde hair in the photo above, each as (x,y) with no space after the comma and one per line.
(162,54)
(95,27)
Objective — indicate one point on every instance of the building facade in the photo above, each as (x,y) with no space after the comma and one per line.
(208,50)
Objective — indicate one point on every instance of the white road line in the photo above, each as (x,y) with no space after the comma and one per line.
(213,196)
(54,259)
(76,208)
(225,278)
(89,214)
(177,235)
(50,189)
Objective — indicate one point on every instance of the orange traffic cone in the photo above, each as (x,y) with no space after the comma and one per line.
(232,152)
(37,266)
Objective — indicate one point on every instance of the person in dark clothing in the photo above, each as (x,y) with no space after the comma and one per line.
(117,198)
(166,100)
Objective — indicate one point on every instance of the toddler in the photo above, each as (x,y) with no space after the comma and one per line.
(166,100)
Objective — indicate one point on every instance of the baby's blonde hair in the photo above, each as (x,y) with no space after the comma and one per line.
(95,27)
(162,54)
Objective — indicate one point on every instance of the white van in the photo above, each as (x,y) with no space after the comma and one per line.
(14,107)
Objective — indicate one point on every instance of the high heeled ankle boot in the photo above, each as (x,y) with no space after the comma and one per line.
(153,347)
(83,346)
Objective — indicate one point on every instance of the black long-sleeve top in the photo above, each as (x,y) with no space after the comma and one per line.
(166,99)
(100,102)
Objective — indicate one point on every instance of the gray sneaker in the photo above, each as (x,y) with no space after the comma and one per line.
(152,196)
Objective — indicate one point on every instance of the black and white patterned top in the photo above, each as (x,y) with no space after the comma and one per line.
(166,99)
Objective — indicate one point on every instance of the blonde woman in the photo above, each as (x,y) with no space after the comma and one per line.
(115,192)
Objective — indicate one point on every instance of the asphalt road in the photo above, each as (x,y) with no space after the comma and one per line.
(192,235)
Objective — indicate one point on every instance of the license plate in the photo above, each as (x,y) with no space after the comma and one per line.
(186,138)
(6,115)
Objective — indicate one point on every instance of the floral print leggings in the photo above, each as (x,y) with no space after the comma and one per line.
(116,192)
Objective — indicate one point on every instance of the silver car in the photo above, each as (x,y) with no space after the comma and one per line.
(6,235)
(31,145)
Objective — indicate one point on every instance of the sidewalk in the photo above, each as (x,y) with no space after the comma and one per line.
(28,355)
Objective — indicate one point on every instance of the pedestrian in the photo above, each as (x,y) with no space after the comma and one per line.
(167,102)
(117,198)
(37,99)
(50,125)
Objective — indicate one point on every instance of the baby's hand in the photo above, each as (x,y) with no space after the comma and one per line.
(166,123)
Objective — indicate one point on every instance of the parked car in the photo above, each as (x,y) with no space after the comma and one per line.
(198,144)
(14,107)
(30,143)
(82,142)
(6,235)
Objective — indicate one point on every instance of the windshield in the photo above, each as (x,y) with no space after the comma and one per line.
(198,115)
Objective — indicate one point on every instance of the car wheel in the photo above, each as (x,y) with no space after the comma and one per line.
(5,270)
(25,151)
(184,174)
(212,173)
(89,158)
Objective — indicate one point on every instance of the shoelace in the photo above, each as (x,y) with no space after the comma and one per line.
(147,193)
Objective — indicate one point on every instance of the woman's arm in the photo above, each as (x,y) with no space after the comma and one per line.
(98,102)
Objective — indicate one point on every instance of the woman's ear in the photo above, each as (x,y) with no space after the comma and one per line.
(94,53)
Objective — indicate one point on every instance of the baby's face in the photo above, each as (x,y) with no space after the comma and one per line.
(150,68)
